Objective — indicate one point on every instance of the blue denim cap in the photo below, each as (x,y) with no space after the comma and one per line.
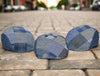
(82,38)
(17,39)
(51,46)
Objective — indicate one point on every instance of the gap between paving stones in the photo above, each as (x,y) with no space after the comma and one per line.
(68,22)
(86,73)
(38,26)
(94,54)
(31,72)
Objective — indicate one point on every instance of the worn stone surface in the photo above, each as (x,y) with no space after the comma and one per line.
(78,64)
(58,73)
(1,50)
(11,60)
(15,73)
(97,53)
(79,55)
(93,72)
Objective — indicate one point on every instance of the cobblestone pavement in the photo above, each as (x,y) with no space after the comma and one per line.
(78,63)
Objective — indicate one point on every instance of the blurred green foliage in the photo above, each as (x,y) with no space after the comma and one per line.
(41,4)
(63,2)
(91,1)
(52,7)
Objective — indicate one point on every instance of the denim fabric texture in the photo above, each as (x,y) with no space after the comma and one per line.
(82,38)
(51,46)
(17,39)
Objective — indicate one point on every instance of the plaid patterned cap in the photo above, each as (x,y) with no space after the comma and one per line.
(17,39)
(82,38)
(51,46)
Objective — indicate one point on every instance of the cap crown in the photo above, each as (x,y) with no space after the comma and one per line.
(17,39)
(51,46)
(82,38)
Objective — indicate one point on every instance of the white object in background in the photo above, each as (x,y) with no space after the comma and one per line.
(77,8)
(63,7)
(71,8)
(16,7)
(8,7)
(41,8)
(23,8)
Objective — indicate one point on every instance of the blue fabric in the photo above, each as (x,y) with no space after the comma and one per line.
(51,46)
(95,40)
(17,39)
(82,38)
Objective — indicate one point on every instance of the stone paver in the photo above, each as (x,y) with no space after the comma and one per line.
(75,64)
(1,49)
(97,53)
(58,73)
(38,23)
(76,59)
(80,55)
(93,72)
(15,73)
(11,61)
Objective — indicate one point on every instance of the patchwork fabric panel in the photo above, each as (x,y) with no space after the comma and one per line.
(78,41)
(51,46)
(17,39)
(82,38)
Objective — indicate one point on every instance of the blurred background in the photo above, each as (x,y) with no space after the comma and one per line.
(26,5)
